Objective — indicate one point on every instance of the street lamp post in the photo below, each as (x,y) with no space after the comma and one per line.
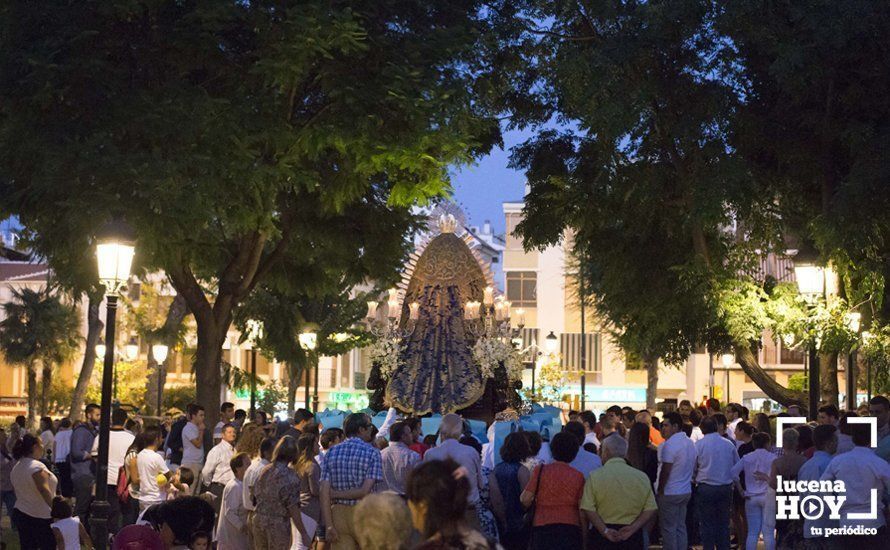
(114,253)
(811,283)
(551,345)
(582,299)
(309,341)
(159,352)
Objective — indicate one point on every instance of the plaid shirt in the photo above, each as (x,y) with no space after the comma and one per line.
(349,464)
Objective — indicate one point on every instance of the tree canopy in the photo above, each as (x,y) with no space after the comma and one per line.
(222,131)
(691,139)
(38,329)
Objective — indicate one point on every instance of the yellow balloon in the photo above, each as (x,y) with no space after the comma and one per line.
(162,479)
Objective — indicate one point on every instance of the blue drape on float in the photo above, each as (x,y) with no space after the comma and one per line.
(437,372)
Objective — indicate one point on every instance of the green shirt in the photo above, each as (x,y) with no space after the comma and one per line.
(618,493)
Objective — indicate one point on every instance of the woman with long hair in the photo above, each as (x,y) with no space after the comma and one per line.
(35,487)
(277,494)
(249,441)
(788,532)
(640,453)
(309,472)
(437,497)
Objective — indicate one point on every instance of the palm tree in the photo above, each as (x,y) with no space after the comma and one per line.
(38,329)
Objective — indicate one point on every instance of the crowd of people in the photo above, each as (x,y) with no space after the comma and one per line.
(623,479)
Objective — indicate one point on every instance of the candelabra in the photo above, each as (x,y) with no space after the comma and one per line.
(389,326)
(491,318)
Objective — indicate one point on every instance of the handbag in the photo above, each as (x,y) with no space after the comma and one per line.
(529,517)
(123,484)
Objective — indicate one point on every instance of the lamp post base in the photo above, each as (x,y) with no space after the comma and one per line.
(99,510)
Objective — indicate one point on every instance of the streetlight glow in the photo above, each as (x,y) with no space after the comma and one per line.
(551,343)
(810,279)
(100,350)
(132,349)
(728,360)
(160,351)
(308,340)
(114,254)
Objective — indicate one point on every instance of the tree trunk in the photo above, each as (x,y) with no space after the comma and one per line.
(828,387)
(651,364)
(46,380)
(151,388)
(764,381)
(157,372)
(94,329)
(208,362)
(32,397)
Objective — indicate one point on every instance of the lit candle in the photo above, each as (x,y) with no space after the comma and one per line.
(498,311)
(392,309)
(393,295)
(521,314)
(372,309)
(415,310)
(488,297)
(507,305)
(472,310)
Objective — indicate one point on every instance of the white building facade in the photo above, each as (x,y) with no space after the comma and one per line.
(539,283)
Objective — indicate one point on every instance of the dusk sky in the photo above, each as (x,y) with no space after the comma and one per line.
(481,189)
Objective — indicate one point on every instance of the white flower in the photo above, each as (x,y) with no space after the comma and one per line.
(385,352)
(490,352)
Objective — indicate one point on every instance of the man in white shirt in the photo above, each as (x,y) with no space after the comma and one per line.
(450,432)
(61,449)
(585,461)
(193,441)
(716,455)
(866,478)
(756,466)
(676,463)
(588,420)
(695,420)
(733,417)
(118,443)
(398,459)
(267,446)
(231,528)
(151,466)
(217,471)
(226,415)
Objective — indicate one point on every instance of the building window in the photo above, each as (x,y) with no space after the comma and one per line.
(795,356)
(522,288)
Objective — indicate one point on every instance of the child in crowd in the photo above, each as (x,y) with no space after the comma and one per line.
(200,541)
(181,483)
(69,532)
